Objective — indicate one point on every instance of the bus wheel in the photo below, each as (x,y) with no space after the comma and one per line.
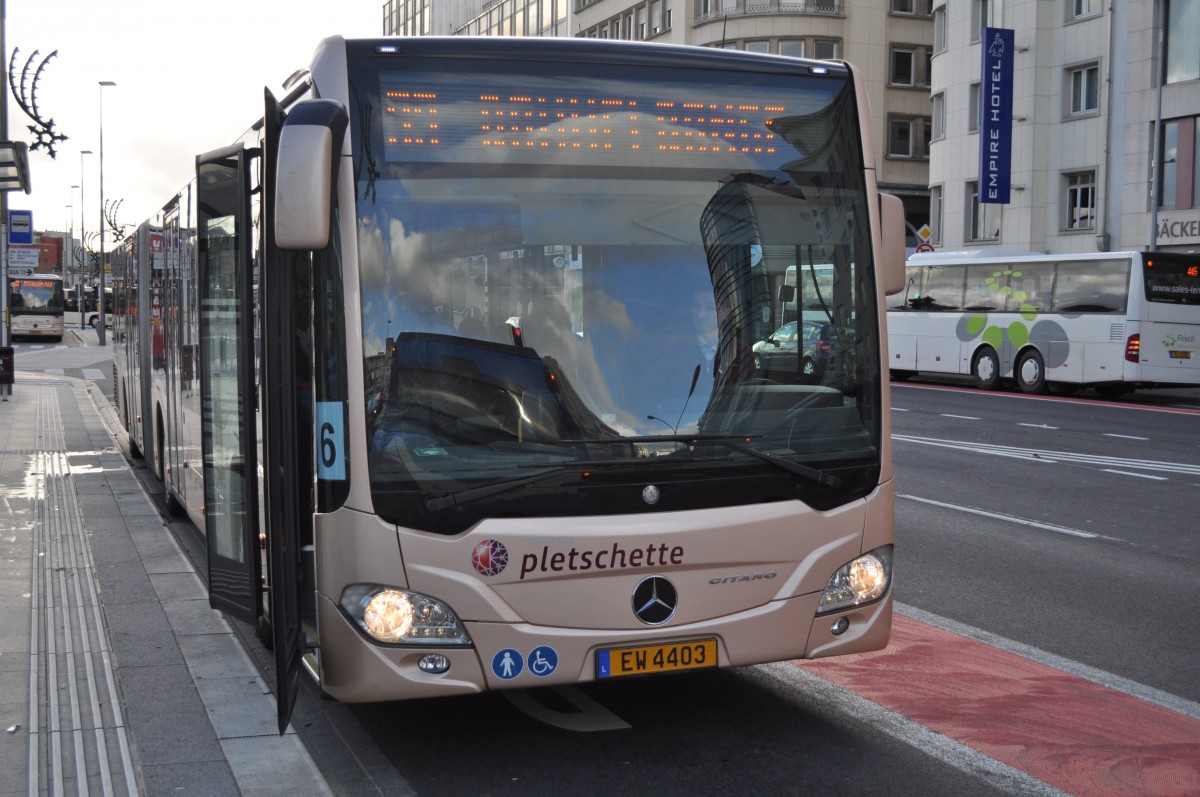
(1031,373)
(985,369)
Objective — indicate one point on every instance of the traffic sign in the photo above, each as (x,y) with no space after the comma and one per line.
(20,227)
(924,233)
(22,262)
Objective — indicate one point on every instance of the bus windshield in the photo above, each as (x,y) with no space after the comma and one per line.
(578,282)
(36,295)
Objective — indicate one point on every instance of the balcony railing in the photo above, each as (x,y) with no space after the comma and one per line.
(810,7)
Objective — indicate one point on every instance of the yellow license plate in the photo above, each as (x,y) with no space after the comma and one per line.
(1181,355)
(647,659)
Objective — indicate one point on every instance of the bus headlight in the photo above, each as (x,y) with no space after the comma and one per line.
(399,617)
(861,581)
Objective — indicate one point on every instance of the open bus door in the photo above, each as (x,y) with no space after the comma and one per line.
(226,371)
(285,297)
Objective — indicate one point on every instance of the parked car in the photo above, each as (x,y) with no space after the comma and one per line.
(807,351)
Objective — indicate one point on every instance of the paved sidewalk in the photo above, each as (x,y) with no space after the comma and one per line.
(113,669)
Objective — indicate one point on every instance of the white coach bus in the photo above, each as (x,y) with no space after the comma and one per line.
(1113,321)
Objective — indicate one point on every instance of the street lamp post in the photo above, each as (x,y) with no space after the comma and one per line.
(100,291)
(80,297)
(66,252)
(71,224)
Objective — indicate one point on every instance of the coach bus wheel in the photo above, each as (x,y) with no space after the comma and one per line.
(1031,373)
(985,369)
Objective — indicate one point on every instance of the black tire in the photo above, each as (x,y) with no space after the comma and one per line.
(808,370)
(1030,373)
(985,369)
(901,376)
(160,450)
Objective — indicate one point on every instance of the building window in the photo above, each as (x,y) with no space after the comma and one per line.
(973,92)
(920,7)
(1084,8)
(908,137)
(792,47)
(1085,89)
(983,219)
(760,46)
(935,212)
(904,67)
(1081,201)
(900,138)
(939,29)
(1178,178)
(1183,31)
(984,14)
(938,122)
(827,49)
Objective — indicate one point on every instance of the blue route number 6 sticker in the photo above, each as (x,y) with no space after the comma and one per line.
(331,441)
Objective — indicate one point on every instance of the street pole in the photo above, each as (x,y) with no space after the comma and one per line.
(74,266)
(66,252)
(100,291)
(80,296)
(5,328)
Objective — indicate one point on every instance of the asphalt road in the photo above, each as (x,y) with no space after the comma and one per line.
(1061,528)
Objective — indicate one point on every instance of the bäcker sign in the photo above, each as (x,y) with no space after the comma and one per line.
(995,111)
(1179,227)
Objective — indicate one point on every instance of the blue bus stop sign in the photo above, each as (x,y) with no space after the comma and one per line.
(20,227)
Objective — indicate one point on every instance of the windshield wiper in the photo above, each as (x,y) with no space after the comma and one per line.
(796,468)
(472,494)
(503,485)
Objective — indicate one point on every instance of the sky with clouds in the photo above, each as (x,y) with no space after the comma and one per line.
(189,75)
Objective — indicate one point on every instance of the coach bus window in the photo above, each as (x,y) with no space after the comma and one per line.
(1091,287)
(942,289)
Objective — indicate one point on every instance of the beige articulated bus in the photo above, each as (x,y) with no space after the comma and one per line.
(465,332)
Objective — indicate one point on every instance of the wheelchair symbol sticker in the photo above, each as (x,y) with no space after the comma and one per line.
(543,661)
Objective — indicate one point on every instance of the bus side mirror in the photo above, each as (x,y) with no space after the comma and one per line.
(309,151)
(890,261)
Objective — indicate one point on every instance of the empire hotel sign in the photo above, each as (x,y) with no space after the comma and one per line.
(995,111)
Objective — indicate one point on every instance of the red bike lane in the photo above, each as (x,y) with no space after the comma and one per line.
(1076,735)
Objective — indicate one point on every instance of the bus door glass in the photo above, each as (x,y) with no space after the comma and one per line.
(226,384)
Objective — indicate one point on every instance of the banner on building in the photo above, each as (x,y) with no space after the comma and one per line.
(995,112)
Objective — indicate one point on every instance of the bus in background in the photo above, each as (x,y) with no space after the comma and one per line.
(36,306)
(1114,321)
(463,331)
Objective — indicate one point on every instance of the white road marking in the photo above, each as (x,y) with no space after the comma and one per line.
(960,417)
(1139,475)
(1008,518)
(1037,425)
(1125,436)
(1044,455)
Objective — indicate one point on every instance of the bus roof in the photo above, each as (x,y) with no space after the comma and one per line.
(968,256)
